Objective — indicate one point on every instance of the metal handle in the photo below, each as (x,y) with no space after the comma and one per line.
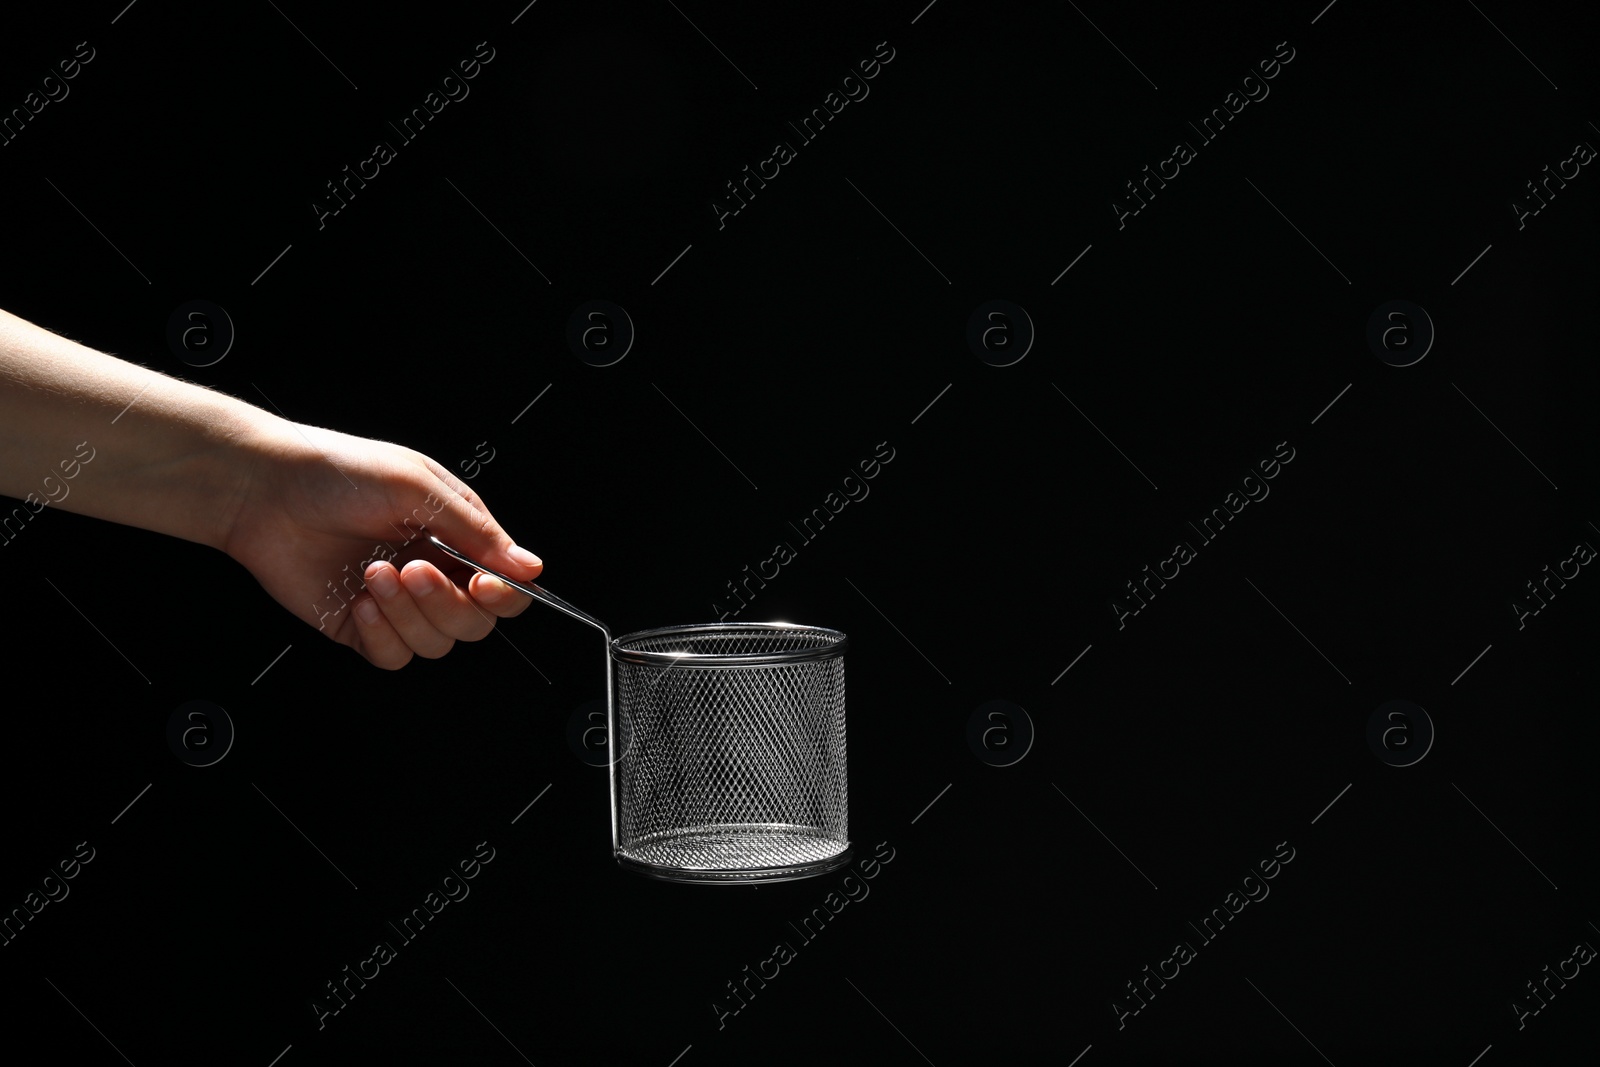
(582,616)
(529,588)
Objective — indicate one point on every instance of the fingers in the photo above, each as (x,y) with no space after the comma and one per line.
(377,639)
(423,608)
(465,524)
(496,596)
(419,611)
(391,625)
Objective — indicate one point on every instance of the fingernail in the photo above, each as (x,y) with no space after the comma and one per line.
(368,610)
(494,588)
(424,582)
(524,557)
(384,583)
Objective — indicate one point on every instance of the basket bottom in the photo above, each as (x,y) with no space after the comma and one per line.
(733,853)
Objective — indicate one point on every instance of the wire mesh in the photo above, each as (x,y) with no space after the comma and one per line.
(731,770)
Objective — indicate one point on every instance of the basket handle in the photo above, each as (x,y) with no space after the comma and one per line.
(529,588)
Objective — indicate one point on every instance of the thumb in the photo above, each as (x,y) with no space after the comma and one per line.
(470,528)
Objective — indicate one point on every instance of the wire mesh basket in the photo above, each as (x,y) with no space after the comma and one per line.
(729,750)
(727,747)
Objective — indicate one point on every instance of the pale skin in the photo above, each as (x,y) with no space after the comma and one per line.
(294,504)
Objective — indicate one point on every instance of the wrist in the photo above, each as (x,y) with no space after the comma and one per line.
(187,466)
(103,437)
(241,442)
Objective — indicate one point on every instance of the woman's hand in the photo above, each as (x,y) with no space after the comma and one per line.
(318,517)
(305,510)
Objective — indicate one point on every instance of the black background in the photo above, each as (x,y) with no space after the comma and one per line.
(798,337)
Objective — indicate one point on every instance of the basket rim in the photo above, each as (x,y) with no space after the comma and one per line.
(837,643)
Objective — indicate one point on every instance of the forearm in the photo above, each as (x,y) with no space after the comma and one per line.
(96,435)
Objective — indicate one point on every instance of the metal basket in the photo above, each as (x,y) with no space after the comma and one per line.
(729,752)
(727,747)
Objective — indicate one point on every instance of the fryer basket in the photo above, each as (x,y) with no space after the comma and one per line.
(729,752)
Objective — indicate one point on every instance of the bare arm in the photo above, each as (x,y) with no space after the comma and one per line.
(330,524)
(99,436)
